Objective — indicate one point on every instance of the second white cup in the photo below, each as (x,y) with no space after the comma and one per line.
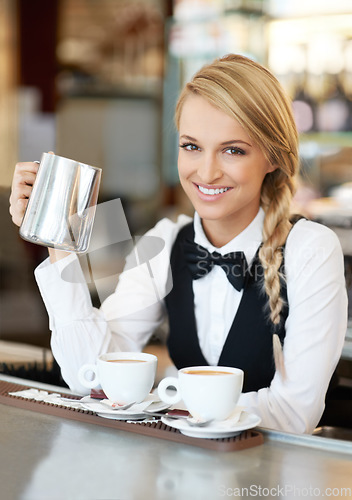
(209,392)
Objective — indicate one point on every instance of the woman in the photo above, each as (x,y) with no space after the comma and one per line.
(284,286)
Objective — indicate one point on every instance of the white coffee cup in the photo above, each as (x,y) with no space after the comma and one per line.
(125,377)
(209,392)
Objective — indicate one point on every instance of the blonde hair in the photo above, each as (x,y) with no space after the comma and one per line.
(248,92)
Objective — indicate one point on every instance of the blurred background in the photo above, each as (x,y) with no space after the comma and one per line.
(97,81)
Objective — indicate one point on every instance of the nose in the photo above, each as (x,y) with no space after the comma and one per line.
(209,169)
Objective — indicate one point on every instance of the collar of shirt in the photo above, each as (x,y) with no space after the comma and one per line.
(247,241)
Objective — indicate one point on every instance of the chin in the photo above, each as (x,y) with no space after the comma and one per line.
(209,214)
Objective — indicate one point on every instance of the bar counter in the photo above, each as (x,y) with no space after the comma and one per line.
(47,457)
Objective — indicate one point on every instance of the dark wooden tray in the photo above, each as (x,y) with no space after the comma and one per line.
(246,439)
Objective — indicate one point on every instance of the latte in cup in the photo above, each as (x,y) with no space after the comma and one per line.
(125,377)
(209,392)
(205,372)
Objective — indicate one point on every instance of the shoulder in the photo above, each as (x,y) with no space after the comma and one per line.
(169,228)
(155,248)
(306,233)
(173,225)
(312,244)
(167,231)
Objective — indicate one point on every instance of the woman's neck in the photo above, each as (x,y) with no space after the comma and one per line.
(220,236)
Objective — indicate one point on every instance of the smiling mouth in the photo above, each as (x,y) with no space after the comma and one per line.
(212,191)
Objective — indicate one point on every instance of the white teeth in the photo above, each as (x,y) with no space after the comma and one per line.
(212,191)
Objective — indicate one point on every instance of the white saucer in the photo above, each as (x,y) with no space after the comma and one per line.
(135,412)
(134,416)
(215,429)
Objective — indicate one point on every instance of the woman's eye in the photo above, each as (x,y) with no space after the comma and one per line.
(235,151)
(189,147)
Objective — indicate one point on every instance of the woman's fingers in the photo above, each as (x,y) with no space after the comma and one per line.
(25,168)
(17,209)
(20,191)
(23,180)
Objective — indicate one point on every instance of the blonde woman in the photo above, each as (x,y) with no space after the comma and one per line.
(252,287)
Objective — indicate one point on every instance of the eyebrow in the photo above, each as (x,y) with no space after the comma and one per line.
(226,143)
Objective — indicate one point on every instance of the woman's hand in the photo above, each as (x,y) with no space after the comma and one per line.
(22,184)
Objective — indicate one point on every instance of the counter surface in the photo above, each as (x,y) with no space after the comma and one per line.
(43,456)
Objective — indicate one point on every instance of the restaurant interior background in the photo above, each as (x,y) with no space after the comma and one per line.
(97,81)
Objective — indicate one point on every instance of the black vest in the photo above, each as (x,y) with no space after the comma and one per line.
(249,343)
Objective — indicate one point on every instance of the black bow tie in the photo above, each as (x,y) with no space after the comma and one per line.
(200,262)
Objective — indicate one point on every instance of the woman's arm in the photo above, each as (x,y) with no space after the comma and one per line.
(126,319)
(315,331)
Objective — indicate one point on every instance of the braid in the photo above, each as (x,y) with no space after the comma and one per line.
(277,192)
(276,201)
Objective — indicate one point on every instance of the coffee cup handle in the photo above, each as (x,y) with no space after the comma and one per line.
(162,388)
(90,384)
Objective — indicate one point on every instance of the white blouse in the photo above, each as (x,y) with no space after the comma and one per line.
(315,328)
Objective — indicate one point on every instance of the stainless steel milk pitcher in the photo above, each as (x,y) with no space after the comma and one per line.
(61,208)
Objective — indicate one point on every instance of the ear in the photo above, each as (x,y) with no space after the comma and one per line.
(271,167)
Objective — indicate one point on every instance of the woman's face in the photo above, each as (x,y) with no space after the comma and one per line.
(221,169)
